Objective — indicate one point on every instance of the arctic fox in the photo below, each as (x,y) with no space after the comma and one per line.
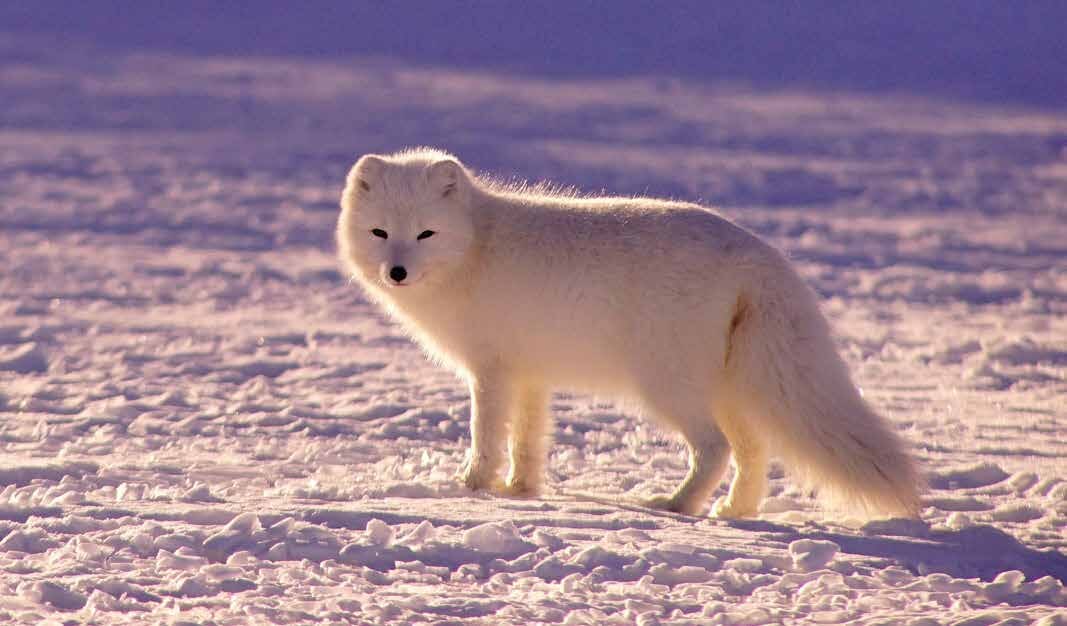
(709,329)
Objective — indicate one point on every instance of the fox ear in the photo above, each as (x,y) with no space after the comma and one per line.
(447,176)
(365,171)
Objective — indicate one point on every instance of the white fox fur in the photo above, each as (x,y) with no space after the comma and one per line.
(669,304)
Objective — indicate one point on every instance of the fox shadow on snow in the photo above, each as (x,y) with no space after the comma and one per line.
(975,552)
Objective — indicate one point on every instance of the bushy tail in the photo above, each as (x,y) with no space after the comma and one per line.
(798,389)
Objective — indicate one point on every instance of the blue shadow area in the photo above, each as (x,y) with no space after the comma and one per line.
(1004,52)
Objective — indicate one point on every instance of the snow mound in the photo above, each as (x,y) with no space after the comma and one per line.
(28,358)
(980,475)
(810,555)
(497,538)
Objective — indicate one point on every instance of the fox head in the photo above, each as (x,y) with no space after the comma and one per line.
(405,220)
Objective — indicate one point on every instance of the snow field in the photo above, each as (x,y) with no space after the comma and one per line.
(203,423)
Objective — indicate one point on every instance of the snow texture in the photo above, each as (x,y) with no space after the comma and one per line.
(204,423)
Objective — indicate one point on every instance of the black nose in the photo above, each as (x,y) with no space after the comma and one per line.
(398,273)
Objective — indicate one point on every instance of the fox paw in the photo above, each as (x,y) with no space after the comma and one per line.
(476,477)
(672,504)
(725,509)
(521,487)
(481,482)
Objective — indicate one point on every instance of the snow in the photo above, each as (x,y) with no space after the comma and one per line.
(27,358)
(811,555)
(203,422)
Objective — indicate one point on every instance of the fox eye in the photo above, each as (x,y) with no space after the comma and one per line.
(377,232)
(426,234)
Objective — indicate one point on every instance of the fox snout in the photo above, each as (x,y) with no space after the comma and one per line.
(395,273)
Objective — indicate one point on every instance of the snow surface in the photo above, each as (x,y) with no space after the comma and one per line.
(203,422)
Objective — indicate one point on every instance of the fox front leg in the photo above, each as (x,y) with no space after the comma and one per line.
(492,402)
(531,434)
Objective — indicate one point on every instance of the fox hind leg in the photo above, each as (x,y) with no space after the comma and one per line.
(750,464)
(709,453)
